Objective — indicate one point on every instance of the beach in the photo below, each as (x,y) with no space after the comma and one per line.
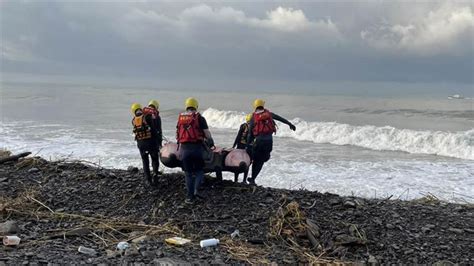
(59,206)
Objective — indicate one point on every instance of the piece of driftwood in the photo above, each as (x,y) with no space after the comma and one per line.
(14,157)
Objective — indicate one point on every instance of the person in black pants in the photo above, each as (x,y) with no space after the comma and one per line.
(260,139)
(147,139)
(192,133)
(241,143)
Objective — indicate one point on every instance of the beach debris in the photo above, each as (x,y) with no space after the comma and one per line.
(87,251)
(178,241)
(209,242)
(123,246)
(235,234)
(14,157)
(9,227)
(11,240)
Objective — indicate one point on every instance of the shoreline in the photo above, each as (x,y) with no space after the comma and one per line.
(59,206)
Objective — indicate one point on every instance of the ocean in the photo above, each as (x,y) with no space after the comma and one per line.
(370,146)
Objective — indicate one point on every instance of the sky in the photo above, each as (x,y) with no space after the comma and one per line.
(235,44)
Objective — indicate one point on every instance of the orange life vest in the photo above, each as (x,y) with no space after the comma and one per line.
(263,123)
(141,129)
(188,129)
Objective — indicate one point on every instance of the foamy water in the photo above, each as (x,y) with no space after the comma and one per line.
(365,152)
(457,144)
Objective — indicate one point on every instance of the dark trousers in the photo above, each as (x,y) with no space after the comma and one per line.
(193,165)
(260,155)
(149,150)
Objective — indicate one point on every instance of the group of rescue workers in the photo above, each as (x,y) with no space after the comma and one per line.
(192,133)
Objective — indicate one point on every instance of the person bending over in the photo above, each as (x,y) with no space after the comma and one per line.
(241,143)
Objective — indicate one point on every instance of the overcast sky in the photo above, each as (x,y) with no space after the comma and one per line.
(243,43)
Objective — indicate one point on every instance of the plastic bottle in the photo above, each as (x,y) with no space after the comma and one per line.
(88,251)
(209,242)
(11,240)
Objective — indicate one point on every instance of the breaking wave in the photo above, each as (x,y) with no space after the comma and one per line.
(453,144)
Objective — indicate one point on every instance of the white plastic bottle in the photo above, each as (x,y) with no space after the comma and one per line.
(209,242)
(11,240)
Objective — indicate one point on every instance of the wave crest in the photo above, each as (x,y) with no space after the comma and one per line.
(453,144)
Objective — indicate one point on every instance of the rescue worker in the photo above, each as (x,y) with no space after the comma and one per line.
(192,133)
(153,110)
(146,137)
(241,143)
(261,128)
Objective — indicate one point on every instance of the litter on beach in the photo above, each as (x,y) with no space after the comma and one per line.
(178,241)
(11,240)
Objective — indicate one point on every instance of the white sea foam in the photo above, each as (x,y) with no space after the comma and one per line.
(453,144)
(338,169)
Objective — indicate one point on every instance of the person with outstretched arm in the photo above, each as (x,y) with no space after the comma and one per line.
(260,140)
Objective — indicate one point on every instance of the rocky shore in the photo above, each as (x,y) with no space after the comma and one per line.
(56,207)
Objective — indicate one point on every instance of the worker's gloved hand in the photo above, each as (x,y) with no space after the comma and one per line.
(293,127)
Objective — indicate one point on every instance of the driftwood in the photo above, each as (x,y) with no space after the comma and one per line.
(14,157)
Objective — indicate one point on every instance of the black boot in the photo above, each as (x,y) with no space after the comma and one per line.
(251,181)
(155,180)
(149,179)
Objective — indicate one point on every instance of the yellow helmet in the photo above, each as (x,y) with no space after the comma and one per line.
(154,103)
(191,102)
(258,103)
(248,118)
(135,107)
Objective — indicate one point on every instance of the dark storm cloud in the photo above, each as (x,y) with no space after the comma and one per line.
(278,41)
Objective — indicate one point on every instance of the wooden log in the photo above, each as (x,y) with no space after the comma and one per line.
(14,157)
